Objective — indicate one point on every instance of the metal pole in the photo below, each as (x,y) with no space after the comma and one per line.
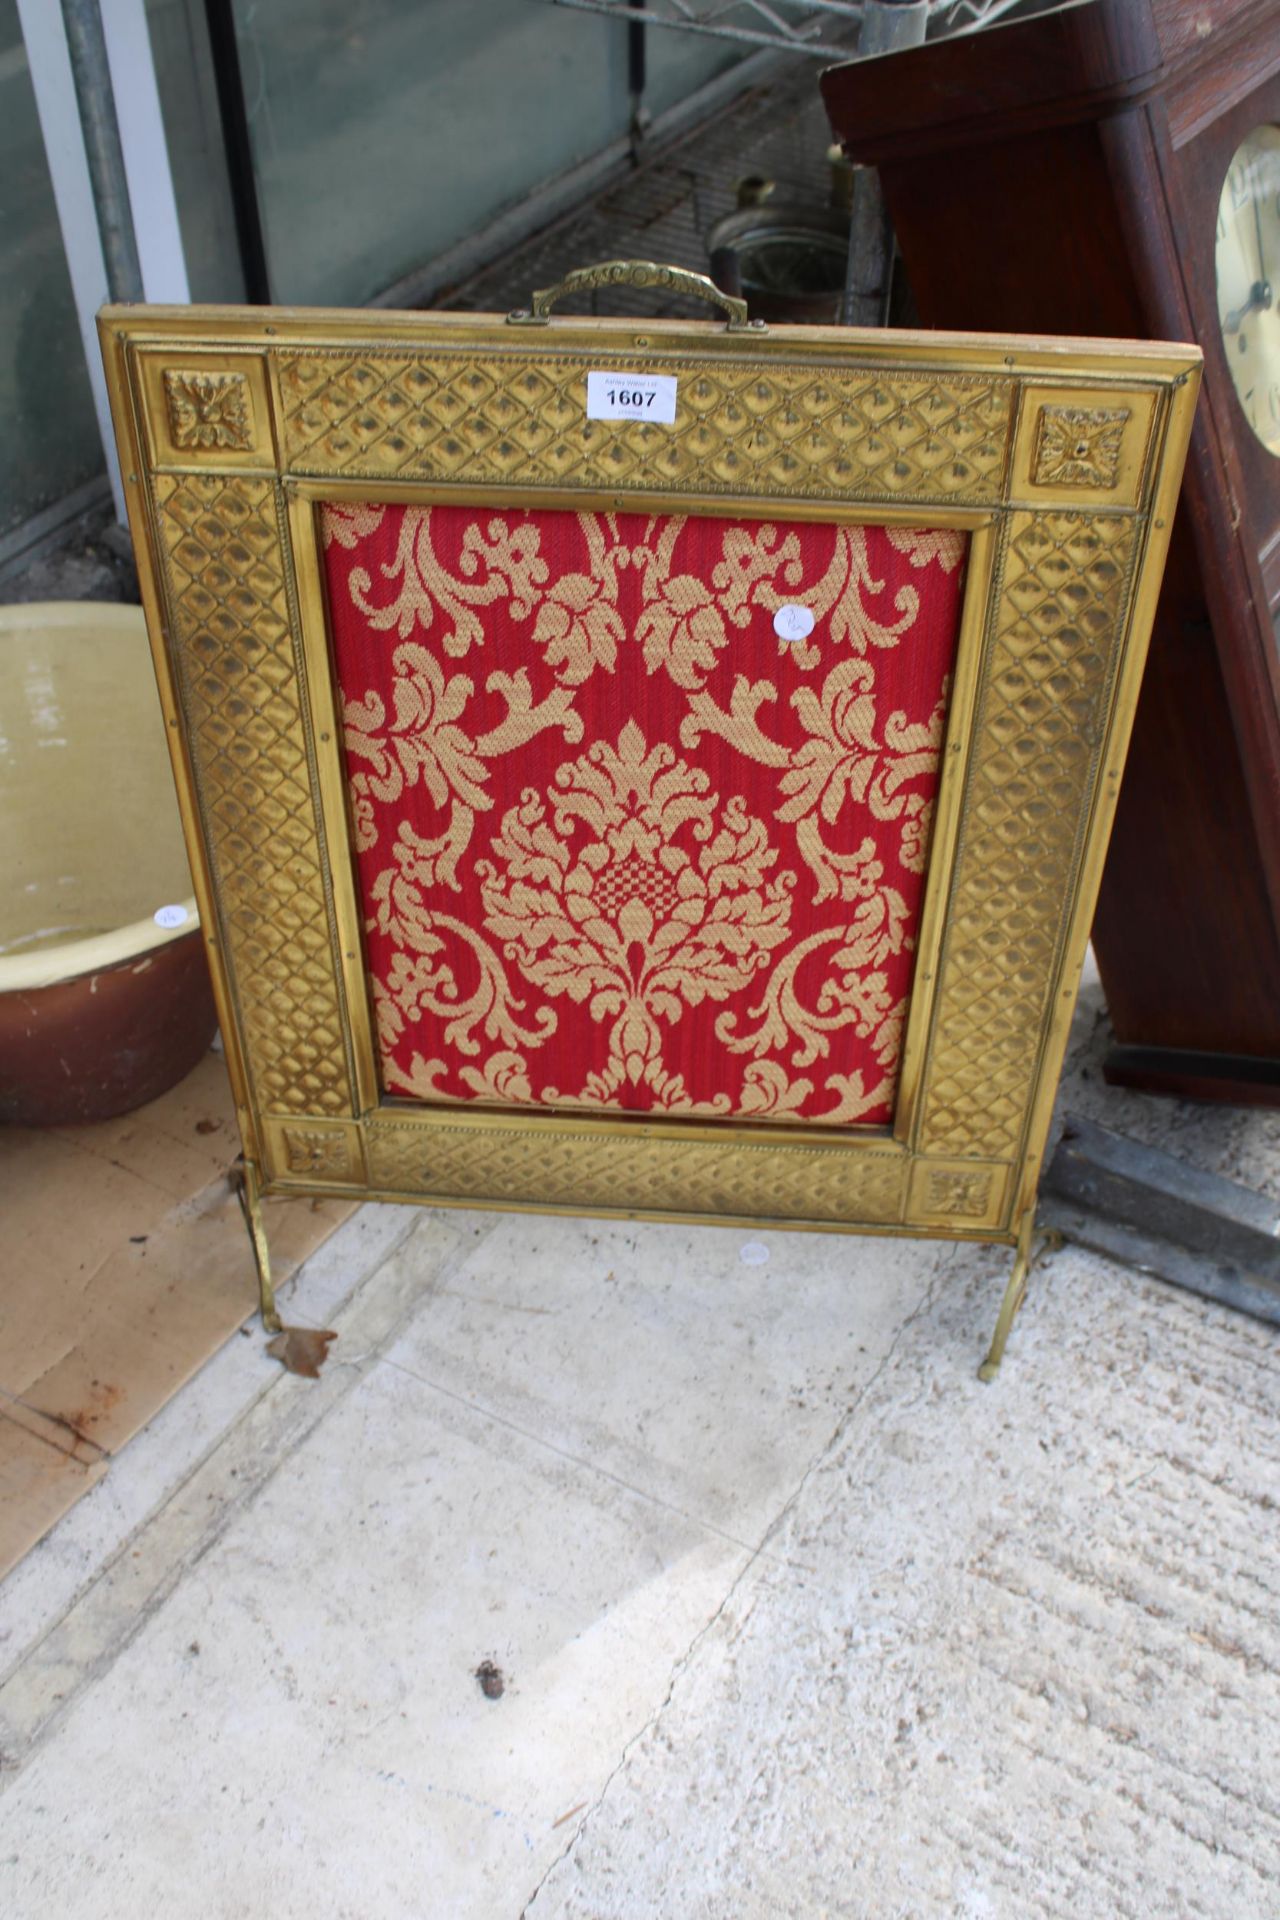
(637,79)
(147,165)
(887,27)
(238,141)
(87,46)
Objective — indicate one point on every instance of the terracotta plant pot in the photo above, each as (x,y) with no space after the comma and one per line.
(102,1006)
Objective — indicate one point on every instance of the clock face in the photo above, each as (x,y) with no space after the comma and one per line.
(1247,263)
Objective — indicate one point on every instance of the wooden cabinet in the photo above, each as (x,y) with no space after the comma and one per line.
(1064,175)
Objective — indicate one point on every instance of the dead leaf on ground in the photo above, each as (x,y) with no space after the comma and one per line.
(302,1349)
(493,1682)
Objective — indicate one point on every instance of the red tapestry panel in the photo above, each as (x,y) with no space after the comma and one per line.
(641,803)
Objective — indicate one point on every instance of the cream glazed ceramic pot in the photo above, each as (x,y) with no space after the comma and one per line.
(104,993)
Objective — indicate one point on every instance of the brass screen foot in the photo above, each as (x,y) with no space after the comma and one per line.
(251,1204)
(1027,1252)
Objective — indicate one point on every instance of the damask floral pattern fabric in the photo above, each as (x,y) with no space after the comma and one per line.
(619,844)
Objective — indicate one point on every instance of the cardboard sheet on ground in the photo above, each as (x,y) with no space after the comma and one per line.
(126,1266)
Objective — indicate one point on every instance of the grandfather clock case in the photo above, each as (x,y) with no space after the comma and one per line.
(1090,172)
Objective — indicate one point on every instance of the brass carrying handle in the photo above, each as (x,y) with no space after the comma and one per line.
(635,273)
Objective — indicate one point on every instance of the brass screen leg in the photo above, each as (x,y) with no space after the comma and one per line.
(1025,1256)
(251,1202)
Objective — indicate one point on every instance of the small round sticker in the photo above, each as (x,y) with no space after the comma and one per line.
(171,916)
(753,1254)
(793,623)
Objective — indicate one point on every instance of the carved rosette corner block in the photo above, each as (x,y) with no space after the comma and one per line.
(209,410)
(958,1196)
(311,1150)
(1079,446)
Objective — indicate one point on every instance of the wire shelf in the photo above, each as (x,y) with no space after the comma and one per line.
(801,26)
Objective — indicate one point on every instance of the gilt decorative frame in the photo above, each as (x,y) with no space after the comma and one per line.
(1061,460)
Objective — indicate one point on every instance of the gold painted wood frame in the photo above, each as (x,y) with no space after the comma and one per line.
(1061,461)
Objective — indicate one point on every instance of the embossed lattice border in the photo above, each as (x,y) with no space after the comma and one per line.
(1064,584)
(594,1171)
(811,432)
(802,422)
(225,573)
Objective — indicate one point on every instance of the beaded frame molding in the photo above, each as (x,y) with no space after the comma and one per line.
(1061,462)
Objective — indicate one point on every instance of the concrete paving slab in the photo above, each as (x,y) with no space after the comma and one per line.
(300,1730)
(1023,1655)
(702,1366)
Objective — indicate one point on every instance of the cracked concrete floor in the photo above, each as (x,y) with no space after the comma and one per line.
(778,1610)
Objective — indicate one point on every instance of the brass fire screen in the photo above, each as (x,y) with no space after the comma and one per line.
(646,768)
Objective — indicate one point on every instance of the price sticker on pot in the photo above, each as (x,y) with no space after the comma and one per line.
(632,396)
(170,916)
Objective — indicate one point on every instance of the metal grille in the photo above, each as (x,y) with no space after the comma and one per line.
(665,206)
